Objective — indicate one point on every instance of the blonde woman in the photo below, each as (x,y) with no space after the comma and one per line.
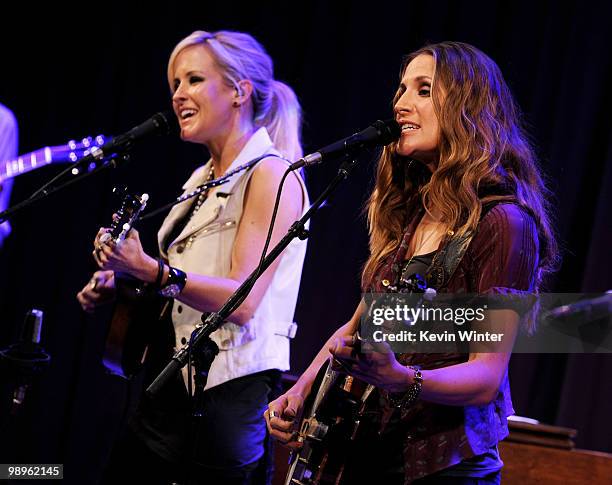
(226,98)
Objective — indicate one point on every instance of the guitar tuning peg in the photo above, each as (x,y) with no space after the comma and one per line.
(100,140)
(72,144)
(87,142)
(120,190)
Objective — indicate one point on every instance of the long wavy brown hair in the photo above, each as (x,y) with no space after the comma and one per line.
(484,156)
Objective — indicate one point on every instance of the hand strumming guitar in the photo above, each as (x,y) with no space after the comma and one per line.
(283,417)
(100,289)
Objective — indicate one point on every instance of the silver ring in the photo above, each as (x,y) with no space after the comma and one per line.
(272,414)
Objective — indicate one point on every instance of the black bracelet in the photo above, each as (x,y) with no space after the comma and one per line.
(174,284)
(160,274)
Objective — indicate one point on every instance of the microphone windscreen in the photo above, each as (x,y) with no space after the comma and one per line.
(168,122)
(389,130)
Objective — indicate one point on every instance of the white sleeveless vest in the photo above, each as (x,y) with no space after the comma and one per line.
(205,247)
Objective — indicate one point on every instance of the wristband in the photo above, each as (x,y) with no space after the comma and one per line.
(174,284)
(160,274)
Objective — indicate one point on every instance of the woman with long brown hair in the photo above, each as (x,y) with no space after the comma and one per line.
(459,198)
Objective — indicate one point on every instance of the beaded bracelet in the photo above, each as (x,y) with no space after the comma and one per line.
(413,392)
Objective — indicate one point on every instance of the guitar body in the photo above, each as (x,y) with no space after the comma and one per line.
(137,308)
(336,414)
(332,420)
(128,338)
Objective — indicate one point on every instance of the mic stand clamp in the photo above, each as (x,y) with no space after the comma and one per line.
(202,358)
(201,335)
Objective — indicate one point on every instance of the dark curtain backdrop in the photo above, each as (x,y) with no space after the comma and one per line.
(99,69)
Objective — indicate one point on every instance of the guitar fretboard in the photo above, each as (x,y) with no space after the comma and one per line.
(70,152)
(25,163)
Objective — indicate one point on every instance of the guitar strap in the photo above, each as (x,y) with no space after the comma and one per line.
(442,268)
(447,259)
(180,224)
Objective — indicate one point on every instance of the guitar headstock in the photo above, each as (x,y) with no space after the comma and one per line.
(414,283)
(131,207)
(74,150)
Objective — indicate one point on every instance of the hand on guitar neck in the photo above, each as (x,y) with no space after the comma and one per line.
(119,254)
(116,249)
(126,257)
(372,362)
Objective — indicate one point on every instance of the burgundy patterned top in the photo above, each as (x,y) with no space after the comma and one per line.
(501,258)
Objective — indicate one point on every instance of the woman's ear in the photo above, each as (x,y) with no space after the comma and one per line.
(244,90)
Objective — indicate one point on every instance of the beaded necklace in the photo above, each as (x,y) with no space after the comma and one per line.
(198,203)
(202,197)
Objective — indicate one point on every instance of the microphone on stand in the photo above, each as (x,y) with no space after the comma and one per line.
(587,310)
(162,123)
(25,359)
(378,133)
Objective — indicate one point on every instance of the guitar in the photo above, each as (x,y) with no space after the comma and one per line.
(135,307)
(70,152)
(334,414)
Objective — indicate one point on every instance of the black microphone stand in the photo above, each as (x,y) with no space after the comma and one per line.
(200,340)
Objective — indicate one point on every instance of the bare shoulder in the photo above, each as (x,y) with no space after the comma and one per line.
(268,174)
(270,167)
(264,184)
